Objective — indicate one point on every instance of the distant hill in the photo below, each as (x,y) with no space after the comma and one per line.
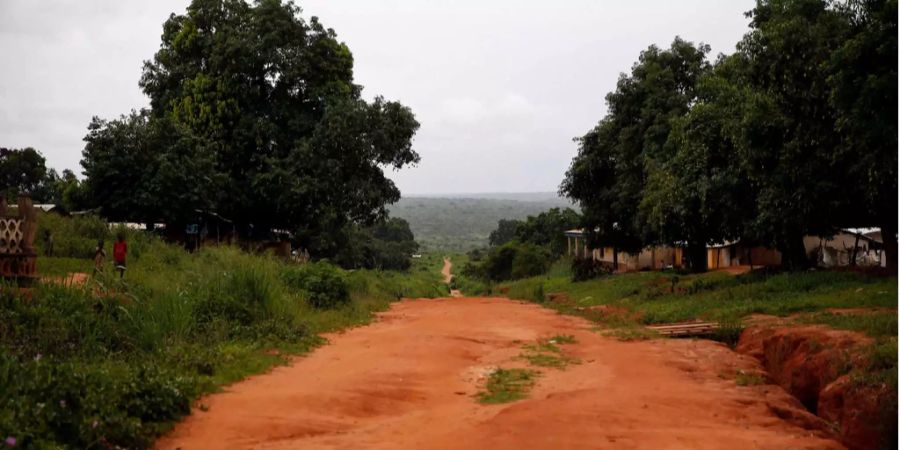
(461,222)
(520,196)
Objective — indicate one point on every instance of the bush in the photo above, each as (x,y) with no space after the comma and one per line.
(588,269)
(509,261)
(529,260)
(74,237)
(81,404)
(324,285)
(113,362)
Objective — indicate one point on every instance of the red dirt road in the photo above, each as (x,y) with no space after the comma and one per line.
(408,382)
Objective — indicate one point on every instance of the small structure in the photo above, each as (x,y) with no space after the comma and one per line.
(18,258)
(847,247)
(736,253)
(650,258)
(49,207)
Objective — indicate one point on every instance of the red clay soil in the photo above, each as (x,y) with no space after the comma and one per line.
(445,271)
(811,362)
(409,380)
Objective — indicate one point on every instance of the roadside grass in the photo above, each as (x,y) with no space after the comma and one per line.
(545,352)
(632,301)
(879,359)
(507,385)
(877,324)
(667,297)
(118,361)
(628,333)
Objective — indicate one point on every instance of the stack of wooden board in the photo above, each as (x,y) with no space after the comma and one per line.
(685,329)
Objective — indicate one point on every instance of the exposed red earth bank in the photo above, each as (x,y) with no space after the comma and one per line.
(810,363)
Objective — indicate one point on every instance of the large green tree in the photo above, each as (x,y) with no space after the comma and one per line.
(253,114)
(608,175)
(21,171)
(546,229)
(863,81)
(388,244)
(699,196)
(24,171)
(791,146)
(505,232)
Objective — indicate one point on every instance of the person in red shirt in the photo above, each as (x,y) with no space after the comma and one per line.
(120,249)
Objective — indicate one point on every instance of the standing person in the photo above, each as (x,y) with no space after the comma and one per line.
(120,249)
(48,243)
(99,256)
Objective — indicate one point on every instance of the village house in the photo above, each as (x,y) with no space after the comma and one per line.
(837,250)
(735,254)
(651,258)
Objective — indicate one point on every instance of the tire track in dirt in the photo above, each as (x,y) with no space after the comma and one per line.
(409,380)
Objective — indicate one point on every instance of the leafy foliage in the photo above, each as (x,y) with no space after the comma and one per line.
(546,229)
(253,114)
(388,245)
(510,261)
(507,229)
(793,135)
(608,175)
(114,362)
(326,288)
(24,171)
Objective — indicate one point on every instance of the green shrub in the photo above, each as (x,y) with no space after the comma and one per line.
(584,269)
(44,404)
(323,283)
(74,237)
(529,260)
(114,362)
(513,260)
(538,293)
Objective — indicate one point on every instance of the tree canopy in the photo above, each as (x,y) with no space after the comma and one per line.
(795,134)
(253,114)
(505,232)
(608,175)
(546,229)
(24,171)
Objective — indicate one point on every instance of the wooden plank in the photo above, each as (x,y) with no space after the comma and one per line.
(685,329)
(684,326)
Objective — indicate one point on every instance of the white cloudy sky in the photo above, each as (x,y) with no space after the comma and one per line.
(500,87)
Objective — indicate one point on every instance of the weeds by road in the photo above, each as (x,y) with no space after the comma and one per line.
(508,385)
(115,362)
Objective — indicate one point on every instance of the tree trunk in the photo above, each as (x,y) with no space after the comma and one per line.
(853,253)
(615,259)
(793,253)
(889,237)
(697,256)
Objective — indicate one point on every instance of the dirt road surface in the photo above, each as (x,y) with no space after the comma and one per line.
(408,381)
(445,271)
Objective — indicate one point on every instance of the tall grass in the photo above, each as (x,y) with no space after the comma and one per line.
(113,362)
(661,297)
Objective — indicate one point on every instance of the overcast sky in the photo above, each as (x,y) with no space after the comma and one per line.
(500,87)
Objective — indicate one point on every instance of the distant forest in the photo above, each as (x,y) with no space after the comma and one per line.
(463,223)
